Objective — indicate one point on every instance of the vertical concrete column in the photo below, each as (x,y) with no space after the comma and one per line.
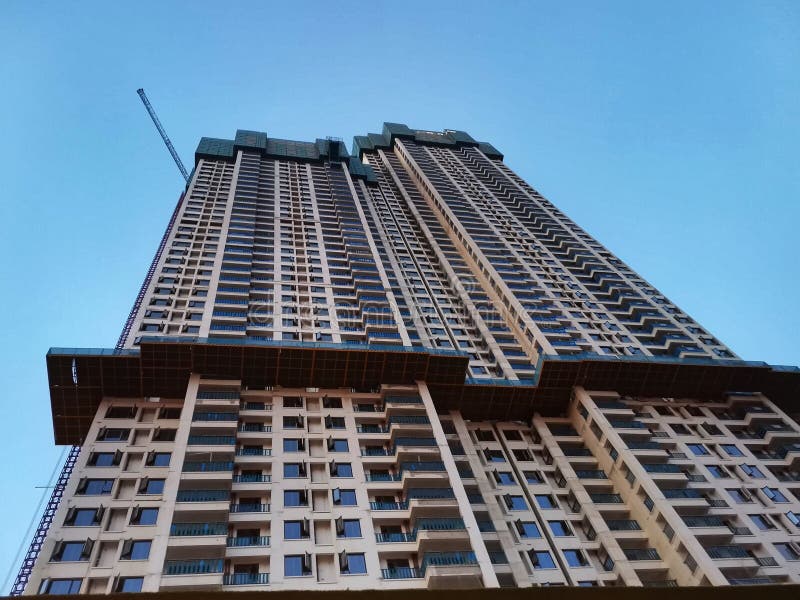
(475,538)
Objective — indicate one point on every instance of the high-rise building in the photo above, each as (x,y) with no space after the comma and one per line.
(404,368)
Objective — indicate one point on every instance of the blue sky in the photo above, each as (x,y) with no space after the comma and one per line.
(670,131)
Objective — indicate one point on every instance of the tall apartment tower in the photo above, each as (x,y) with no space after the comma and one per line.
(404,368)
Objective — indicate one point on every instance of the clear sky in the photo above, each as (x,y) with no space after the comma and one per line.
(669,130)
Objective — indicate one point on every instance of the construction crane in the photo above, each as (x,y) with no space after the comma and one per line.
(163,133)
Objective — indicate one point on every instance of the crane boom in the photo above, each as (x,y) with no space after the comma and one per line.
(163,133)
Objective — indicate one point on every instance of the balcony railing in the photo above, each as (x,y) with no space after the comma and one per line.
(255,478)
(662,468)
(710,521)
(402,573)
(200,467)
(403,400)
(627,424)
(591,474)
(679,494)
(249,508)
(623,525)
(576,451)
(254,406)
(245,579)
(395,538)
(244,541)
(440,525)
(377,452)
(645,445)
(409,420)
(388,505)
(426,466)
(371,429)
(202,495)
(255,428)
(606,498)
(253,452)
(383,477)
(724,552)
(196,529)
(448,559)
(193,567)
(641,554)
(211,440)
(215,416)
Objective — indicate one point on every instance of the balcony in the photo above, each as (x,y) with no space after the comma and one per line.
(619,424)
(728,552)
(253,452)
(623,525)
(591,474)
(215,417)
(246,579)
(388,505)
(451,570)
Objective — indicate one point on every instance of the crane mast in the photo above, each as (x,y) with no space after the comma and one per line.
(163,133)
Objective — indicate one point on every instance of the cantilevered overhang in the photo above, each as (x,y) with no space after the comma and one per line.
(80,378)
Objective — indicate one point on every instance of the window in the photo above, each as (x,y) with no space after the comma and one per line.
(752,471)
(290,422)
(505,478)
(718,471)
(352,564)
(293,402)
(541,559)
(348,528)
(135,550)
(560,528)
(545,501)
(158,459)
(71,551)
(294,470)
(575,558)
(484,435)
(151,486)
(522,454)
(698,449)
(533,477)
(731,450)
(763,522)
(296,565)
(95,487)
(515,502)
(170,413)
(787,551)
(144,516)
(334,423)
(130,584)
(113,435)
(121,412)
(341,469)
(774,494)
(61,586)
(295,498)
(512,434)
(344,497)
(295,530)
(331,402)
(83,517)
(528,529)
(739,496)
(104,459)
(164,435)
(794,518)
(293,445)
(338,446)
(494,455)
